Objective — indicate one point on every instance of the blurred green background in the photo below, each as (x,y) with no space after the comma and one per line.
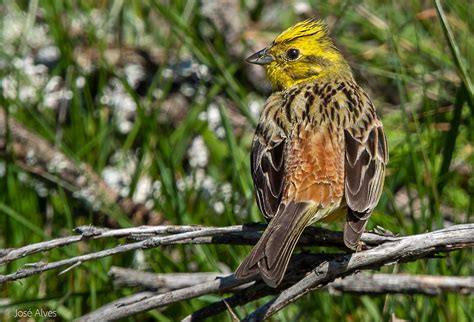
(155,96)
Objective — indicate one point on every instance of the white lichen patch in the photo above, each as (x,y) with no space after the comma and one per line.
(134,73)
(122,105)
(119,177)
(143,190)
(25,81)
(48,54)
(198,154)
(55,92)
(218,207)
(58,163)
(117,180)
(213,118)
(90,196)
(80,82)
(30,157)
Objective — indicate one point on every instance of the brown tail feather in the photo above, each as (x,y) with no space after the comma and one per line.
(271,254)
(354,227)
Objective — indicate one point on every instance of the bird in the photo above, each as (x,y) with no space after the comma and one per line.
(319,149)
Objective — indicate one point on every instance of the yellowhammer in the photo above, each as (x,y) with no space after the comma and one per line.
(319,150)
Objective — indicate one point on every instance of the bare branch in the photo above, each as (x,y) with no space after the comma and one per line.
(127,309)
(237,235)
(134,298)
(144,244)
(247,295)
(327,269)
(10,254)
(125,277)
(407,249)
(361,283)
(92,232)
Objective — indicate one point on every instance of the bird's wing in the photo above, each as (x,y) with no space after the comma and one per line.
(366,158)
(267,158)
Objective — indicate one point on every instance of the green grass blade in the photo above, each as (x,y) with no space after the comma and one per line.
(450,142)
(458,60)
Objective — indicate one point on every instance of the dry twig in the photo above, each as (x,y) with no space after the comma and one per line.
(327,268)
(402,284)
(407,249)
(360,283)
(126,277)
(185,237)
(123,309)
(237,235)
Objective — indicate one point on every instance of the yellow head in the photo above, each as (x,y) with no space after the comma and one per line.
(301,53)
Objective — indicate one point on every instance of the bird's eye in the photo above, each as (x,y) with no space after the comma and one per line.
(292,54)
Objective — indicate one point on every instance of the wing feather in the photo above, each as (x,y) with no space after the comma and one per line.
(366,159)
(267,159)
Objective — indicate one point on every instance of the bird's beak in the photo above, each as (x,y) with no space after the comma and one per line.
(261,57)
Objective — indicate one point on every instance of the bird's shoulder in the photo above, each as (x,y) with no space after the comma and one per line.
(340,102)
